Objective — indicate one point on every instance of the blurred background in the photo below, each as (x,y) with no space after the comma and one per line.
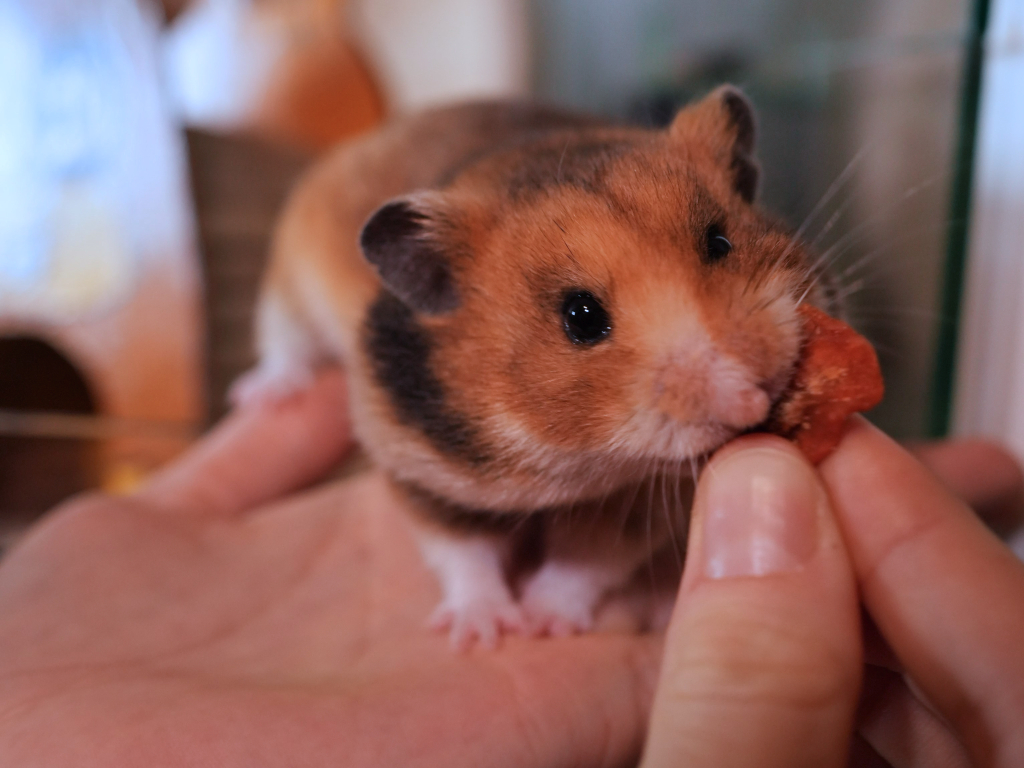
(145,148)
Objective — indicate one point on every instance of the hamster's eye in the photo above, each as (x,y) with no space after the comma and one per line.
(716,244)
(584,319)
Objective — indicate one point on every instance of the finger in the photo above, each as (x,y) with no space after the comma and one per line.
(863,755)
(876,651)
(984,475)
(763,656)
(256,454)
(945,593)
(901,729)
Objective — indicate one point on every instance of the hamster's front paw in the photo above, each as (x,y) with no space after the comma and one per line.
(269,385)
(477,604)
(481,618)
(560,598)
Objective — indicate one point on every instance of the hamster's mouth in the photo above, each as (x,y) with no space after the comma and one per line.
(678,425)
(835,374)
(668,443)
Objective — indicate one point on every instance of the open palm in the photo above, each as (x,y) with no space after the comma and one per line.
(201,622)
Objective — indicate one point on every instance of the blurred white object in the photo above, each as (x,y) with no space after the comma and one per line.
(990,368)
(97,238)
(91,172)
(432,51)
(990,386)
(219,58)
(25,195)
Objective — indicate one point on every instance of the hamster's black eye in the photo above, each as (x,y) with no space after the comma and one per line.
(716,244)
(584,319)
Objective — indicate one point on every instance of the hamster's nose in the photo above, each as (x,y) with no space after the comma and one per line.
(712,387)
(738,404)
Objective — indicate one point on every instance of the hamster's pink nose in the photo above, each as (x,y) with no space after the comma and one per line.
(739,404)
(704,385)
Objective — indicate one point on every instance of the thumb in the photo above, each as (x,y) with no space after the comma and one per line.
(763,655)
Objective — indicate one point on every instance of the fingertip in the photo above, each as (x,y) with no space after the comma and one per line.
(944,592)
(983,473)
(857,433)
(258,453)
(763,656)
(754,441)
(758,508)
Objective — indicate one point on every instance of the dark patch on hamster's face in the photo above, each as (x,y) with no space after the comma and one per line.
(399,349)
(556,164)
(510,125)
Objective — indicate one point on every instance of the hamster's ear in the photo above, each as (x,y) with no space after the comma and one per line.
(723,123)
(402,239)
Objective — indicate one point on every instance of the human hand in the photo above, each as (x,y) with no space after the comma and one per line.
(201,621)
(209,621)
(763,662)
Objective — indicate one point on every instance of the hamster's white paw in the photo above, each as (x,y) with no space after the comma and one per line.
(482,619)
(269,385)
(559,600)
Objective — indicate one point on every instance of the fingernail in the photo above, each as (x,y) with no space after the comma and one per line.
(760,514)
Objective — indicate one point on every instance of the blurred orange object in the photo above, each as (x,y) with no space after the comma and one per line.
(322,92)
(282,69)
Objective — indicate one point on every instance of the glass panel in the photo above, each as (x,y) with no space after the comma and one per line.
(858,107)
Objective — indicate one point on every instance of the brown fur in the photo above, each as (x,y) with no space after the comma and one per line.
(618,211)
(523,205)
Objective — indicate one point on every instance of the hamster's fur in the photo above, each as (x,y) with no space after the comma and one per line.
(439,260)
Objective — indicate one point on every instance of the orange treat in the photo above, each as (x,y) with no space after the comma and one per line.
(837,375)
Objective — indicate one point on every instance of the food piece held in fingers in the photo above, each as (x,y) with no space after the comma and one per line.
(836,375)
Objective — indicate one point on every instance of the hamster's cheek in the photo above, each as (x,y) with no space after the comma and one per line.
(751,318)
(571,400)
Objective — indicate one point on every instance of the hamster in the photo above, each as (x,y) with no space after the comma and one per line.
(544,319)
